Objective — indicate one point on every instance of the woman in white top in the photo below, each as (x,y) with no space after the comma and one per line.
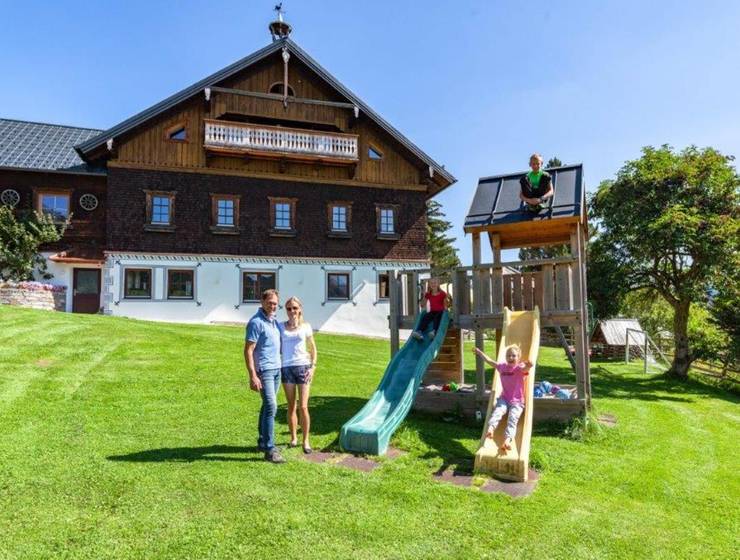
(298,352)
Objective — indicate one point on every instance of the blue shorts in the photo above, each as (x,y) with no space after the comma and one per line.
(295,375)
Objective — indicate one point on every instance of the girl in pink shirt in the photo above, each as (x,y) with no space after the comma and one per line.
(512,373)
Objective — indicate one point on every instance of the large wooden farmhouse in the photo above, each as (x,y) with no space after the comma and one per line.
(268,173)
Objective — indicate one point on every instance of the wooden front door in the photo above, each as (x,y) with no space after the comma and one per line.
(86,290)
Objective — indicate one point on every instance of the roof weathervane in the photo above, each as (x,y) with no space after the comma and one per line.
(279,29)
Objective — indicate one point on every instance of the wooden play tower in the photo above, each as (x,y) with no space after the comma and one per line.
(557,286)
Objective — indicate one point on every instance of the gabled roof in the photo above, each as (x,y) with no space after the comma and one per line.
(42,146)
(496,200)
(84,148)
(615,331)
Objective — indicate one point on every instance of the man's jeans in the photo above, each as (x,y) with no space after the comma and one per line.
(270,379)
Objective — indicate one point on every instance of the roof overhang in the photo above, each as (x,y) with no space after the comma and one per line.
(439,179)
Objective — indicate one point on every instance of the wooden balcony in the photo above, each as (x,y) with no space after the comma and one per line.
(277,142)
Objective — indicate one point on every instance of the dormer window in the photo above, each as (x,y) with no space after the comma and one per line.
(177,133)
(278,89)
(374,153)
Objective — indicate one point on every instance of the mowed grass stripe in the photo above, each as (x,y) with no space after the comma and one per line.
(140,443)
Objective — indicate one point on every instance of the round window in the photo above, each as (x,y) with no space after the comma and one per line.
(89,202)
(10,197)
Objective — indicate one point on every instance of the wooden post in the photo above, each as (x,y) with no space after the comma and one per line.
(413,293)
(582,232)
(497,278)
(578,304)
(480,372)
(394,293)
(548,289)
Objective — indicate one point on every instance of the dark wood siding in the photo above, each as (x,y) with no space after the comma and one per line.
(192,219)
(87,228)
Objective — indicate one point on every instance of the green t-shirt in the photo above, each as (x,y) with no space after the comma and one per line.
(534,179)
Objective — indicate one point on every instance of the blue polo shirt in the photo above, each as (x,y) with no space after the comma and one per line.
(265,333)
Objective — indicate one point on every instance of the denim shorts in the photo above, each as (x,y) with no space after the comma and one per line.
(295,375)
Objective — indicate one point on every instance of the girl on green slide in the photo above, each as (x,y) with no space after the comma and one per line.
(536,185)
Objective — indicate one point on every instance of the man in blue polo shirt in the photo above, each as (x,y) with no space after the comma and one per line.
(262,355)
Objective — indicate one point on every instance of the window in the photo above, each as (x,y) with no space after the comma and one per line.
(387,223)
(374,153)
(282,216)
(137,283)
(337,285)
(225,212)
(339,218)
(180,284)
(339,215)
(254,283)
(160,210)
(177,132)
(383,285)
(278,89)
(54,204)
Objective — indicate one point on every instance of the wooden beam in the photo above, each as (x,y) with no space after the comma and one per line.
(580,342)
(279,97)
(394,293)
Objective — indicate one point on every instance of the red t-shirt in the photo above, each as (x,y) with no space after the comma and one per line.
(436,301)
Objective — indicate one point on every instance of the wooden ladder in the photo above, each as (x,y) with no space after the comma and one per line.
(448,365)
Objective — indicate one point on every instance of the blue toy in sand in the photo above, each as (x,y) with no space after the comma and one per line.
(546,386)
(563,395)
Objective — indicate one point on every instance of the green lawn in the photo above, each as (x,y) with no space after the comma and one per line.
(123,438)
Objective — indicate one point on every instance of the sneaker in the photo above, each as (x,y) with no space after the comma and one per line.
(417,335)
(274,456)
(432,333)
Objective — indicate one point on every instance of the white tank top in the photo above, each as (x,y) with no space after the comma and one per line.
(293,348)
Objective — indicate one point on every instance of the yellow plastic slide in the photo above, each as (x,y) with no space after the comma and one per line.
(521,328)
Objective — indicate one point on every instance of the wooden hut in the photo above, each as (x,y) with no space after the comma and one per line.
(609,338)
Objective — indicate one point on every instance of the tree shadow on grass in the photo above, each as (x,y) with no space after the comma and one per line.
(443,438)
(190,454)
(605,382)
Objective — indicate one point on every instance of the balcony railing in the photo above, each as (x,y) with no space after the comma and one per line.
(276,141)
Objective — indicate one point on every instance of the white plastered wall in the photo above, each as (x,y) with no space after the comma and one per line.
(63,275)
(218,290)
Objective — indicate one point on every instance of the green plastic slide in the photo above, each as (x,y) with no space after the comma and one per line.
(370,430)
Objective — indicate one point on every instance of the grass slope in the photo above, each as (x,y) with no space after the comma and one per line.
(123,438)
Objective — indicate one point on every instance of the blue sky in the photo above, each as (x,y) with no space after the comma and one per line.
(477,85)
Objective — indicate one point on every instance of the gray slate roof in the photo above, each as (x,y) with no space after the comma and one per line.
(31,145)
(85,147)
(496,201)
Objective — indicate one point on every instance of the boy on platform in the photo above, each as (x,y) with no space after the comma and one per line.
(438,304)
(536,185)
(512,371)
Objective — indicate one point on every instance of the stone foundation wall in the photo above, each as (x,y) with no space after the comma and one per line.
(34,294)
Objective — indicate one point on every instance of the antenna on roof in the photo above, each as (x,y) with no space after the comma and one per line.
(279,29)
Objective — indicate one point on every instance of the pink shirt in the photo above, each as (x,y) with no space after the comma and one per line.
(512,381)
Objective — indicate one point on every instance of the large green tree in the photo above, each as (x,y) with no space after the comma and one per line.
(21,235)
(443,253)
(669,222)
